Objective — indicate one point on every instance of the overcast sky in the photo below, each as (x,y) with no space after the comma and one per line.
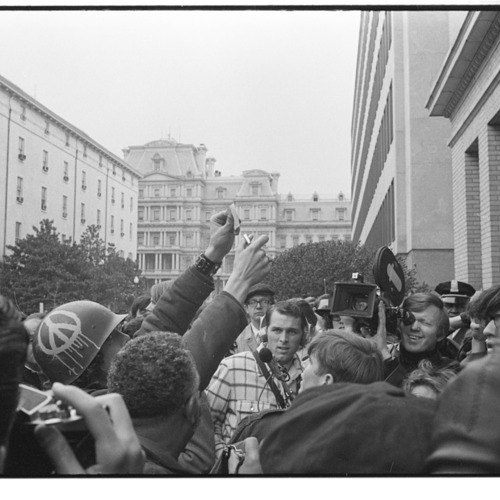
(269,90)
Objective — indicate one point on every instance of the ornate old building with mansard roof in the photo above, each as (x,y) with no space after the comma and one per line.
(181,189)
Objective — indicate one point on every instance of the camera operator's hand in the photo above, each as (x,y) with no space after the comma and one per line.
(222,239)
(251,265)
(380,338)
(250,465)
(118,450)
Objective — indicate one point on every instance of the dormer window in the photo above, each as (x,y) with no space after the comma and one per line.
(315,197)
(158,162)
(255,189)
(289,197)
(341,196)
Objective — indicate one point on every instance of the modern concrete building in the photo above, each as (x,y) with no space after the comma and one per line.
(181,190)
(49,169)
(401,167)
(467,93)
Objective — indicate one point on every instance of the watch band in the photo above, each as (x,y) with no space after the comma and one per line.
(206,266)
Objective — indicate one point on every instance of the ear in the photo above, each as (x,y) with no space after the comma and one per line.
(192,409)
(328,380)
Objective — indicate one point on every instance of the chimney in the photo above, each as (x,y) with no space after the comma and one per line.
(210,165)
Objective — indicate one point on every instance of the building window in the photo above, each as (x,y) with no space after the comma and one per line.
(246,214)
(18,230)
(189,192)
(130,230)
(263,213)
(114,169)
(84,180)
(321,238)
(99,188)
(189,214)
(155,239)
(19,192)
(44,199)
(309,239)
(131,203)
(112,195)
(112,224)
(123,200)
(315,197)
(85,151)
(315,214)
(140,213)
(288,215)
(189,240)
(172,214)
(45,161)
(100,160)
(20,149)
(141,193)
(156,192)
(47,127)
(255,189)
(220,193)
(23,112)
(66,171)
(82,213)
(65,207)
(340,213)
(208,214)
(122,228)
(156,213)
(173,192)
(289,197)
(172,239)
(123,175)
(282,241)
(67,139)
(295,240)
(341,196)
(140,239)
(98,218)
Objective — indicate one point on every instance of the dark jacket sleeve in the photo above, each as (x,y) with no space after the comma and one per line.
(213,333)
(178,304)
(466,439)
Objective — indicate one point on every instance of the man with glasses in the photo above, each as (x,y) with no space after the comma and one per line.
(258,301)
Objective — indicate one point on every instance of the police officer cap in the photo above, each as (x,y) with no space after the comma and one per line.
(455,288)
(259,289)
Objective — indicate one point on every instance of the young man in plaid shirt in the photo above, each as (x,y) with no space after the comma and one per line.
(239,388)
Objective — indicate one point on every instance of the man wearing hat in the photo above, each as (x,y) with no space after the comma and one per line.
(456,296)
(259,299)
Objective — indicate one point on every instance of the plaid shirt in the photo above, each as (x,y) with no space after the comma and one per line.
(238,389)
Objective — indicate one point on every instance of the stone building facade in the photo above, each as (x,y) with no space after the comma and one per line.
(467,93)
(401,167)
(49,169)
(180,191)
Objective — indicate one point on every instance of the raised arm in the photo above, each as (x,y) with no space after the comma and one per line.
(220,323)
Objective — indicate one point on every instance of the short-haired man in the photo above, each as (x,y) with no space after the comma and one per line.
(335,356)
(158,381)
(259,299)
(419,339)
(239,386)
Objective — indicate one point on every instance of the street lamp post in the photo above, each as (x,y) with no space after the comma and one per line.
(136,283)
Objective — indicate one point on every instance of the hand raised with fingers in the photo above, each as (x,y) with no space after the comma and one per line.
(222,239)
(118,450)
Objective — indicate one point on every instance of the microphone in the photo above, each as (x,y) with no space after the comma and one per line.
(280,372)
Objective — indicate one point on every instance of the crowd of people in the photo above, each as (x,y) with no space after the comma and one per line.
(238,383)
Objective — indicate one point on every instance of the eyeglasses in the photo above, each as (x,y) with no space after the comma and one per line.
(261,302)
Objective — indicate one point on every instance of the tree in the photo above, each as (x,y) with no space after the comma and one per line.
(313,268)
(310,269)
(41,268)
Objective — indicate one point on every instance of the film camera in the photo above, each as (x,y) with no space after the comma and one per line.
(25,457)
(360,300)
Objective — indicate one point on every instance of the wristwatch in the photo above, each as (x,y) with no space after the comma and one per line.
(206,266)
